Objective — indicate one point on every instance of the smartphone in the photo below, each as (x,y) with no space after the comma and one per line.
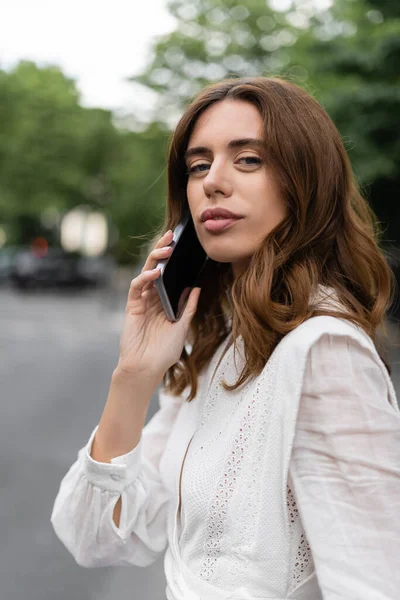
(180,272)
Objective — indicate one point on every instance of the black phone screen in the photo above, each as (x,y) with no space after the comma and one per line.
(183,268)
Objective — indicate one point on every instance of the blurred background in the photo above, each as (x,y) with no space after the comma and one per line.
(89,93)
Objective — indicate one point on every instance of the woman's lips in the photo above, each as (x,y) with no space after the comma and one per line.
(215,225)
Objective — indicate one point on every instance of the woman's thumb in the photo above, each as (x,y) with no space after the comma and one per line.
(191,306)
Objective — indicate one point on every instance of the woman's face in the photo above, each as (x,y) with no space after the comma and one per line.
(227,170)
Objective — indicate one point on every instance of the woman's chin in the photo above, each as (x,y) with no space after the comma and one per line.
(235,259)
(222,257)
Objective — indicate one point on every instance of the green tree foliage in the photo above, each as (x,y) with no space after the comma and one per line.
(50,147)
(356,77)
(215,39)
(139,189)
(56,154)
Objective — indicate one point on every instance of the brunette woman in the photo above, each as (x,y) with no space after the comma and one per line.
(272,468)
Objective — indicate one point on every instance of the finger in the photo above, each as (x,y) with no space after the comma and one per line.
(164,241)
(155,256)
(191,306)
(137,285)
(148,286)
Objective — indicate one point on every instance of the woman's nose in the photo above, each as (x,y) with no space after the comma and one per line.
(217,182)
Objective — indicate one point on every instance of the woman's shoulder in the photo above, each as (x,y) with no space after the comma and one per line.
(313,329)
(306,335)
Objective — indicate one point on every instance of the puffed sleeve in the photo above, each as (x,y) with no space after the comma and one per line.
(345,469)
(82,516)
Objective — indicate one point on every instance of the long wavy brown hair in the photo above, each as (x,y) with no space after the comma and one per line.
(329,237)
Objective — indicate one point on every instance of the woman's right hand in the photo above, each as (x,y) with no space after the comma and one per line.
(150,344)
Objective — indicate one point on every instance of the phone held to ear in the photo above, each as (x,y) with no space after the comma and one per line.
(180,272)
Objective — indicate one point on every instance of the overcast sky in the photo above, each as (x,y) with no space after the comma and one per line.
(97,42)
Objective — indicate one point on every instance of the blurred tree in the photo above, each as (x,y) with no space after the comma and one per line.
(49,146)
(352,55)
(56,154)
(215,39)
(51,149)
(138,177)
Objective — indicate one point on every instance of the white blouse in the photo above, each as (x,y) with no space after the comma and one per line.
(346,473)
(342,516)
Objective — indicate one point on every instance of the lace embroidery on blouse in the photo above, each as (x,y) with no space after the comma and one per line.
(218,515)
(303,565)
(219,507)
(257,421)
(253,428)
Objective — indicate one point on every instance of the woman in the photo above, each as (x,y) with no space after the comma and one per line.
(272,467)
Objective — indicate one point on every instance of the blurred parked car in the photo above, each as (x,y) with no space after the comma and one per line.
(6,261)
(55,267)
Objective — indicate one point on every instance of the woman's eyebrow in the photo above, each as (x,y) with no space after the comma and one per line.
(237,143)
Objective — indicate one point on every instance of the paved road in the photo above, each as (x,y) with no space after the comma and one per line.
(58,353)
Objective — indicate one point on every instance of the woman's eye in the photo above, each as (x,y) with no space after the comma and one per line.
(246,160)
(251,160)
(198,168)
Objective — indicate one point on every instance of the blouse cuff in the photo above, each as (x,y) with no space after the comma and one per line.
(114,476)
